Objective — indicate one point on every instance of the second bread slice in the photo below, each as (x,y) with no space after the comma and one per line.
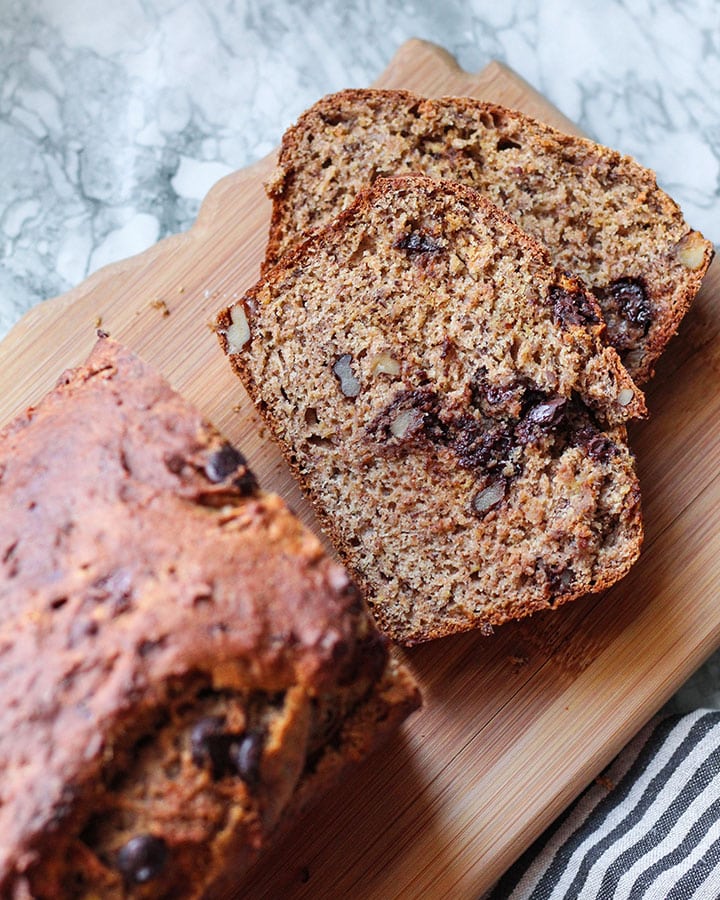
(600,214)
(446,399)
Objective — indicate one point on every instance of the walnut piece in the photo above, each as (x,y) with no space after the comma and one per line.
(238,333)
(384,364)
(625,396)
(691,250)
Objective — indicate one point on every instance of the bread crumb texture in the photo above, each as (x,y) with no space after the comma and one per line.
(445,396)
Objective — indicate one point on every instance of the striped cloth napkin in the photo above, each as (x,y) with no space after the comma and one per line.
(647,829)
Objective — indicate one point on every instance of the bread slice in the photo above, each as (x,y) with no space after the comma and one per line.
(601,215)
(446,399)
(183,668)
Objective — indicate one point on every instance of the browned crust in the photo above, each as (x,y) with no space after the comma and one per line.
(214,577)
(324,236)
(547,139)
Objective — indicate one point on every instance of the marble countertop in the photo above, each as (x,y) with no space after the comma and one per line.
(116,119)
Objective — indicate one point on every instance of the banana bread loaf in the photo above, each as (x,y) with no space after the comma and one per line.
(182,666)
(446,399)
(601,215)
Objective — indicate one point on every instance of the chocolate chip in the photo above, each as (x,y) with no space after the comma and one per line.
(209,744)
(417,242)
(227,461)
(543,416)
(245,755)
(226,752)
(596,444)
(632,301)
(572,307)
(559,579)
(143,858)
(222,463)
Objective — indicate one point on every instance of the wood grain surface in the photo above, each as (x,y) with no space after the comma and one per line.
(514,725)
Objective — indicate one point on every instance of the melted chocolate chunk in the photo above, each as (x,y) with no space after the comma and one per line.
(597,445)
(558,578)
(417,242)
(496,399)
(571,307)
(547,413)
(143,858)
(632,302)
(410,417)
(541,413)
(478,445)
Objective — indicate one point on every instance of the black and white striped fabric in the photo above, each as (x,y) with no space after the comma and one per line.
(647,829)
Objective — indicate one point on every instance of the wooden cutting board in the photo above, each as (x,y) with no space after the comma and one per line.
(515,725)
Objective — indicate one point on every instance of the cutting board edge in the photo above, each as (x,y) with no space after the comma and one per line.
(123,268)
(430,53)
(196,235)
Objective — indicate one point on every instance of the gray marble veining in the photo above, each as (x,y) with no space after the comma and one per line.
(117,118)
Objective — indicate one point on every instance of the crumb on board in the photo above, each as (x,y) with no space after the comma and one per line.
(162,306)
(98,322)
(518,662)
(605,782)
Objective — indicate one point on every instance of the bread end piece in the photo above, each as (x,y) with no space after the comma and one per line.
(182,664)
